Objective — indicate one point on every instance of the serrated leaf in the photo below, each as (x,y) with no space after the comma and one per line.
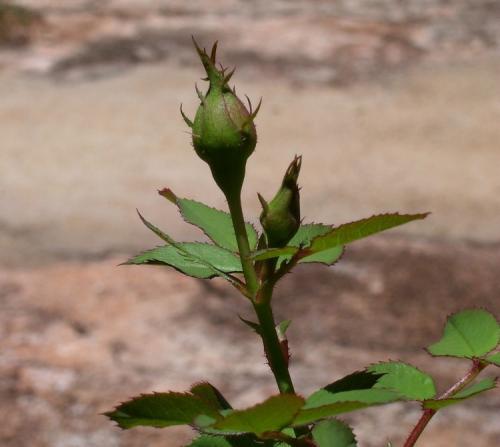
(333,240)
(271,415)
(333,433)
(466,393)
(404,379)
(211,395)
(349,401)
(192,258)
(353,231)
(350,393)
(162,410)
(494,359)
(327,257)
(359,380)
(305,234)
(225,441)
(216,224)
(269,253)
(470,333)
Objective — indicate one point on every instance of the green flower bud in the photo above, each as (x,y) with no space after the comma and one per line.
(223,129)
(281,217)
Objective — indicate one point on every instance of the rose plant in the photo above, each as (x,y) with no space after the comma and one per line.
(224,136)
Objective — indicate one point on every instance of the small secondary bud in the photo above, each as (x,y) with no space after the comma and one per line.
(280,218)
(223,129)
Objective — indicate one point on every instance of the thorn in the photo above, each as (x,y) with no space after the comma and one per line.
(264,204)
(200,95)
(214,51)
(254,114)
(249,104)
(228,76)
(186,119)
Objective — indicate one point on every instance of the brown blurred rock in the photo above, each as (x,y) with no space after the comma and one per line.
(78,338)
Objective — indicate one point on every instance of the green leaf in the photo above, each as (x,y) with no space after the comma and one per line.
(494,359)
(162,410)
(405,380)
(349,401)
(350,393)
(353,231)
(466,393)
(216,224)
(192,258)
(470,333)
(226,441)
(327,257)
(269,253)
(327,247)
(271,415)
(211,395)
(305,234)
(333,433)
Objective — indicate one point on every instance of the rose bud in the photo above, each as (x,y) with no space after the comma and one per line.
(223,129)
(280,218)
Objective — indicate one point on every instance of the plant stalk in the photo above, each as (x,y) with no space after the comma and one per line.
(428,413)
(252,282)
(261,300)
(272,346)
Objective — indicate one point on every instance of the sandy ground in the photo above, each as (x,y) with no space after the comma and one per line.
(77,159)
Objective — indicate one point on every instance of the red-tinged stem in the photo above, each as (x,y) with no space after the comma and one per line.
(428,413)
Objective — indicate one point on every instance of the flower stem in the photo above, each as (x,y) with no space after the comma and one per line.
(252,282)
(428,413)
(261,300)
(272,346)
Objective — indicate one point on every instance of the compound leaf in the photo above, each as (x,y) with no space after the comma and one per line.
(494,358)
(470,333)
(271,415)
(405,379)
(466,393)
(216,224)
(333,433)
(192,258)
(162,410)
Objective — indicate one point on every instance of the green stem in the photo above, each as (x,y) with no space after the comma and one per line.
(252,282)
(272,346)
(261,299)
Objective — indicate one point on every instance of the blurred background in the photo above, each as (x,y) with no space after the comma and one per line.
(394,105)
